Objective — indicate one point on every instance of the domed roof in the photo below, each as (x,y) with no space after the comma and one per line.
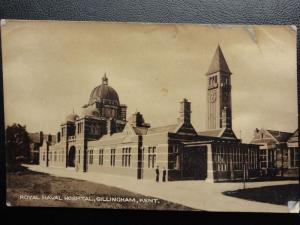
(72,117)
(104,92)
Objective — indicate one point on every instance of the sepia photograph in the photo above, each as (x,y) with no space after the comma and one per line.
(151,116)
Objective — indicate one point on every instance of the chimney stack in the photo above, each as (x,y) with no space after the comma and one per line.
(111,126)
(58,137)
(185,112)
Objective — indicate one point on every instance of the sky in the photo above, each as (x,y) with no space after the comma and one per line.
(51,67)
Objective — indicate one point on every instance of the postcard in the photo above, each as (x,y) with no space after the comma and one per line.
(151,116)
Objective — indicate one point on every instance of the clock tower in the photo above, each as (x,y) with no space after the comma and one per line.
(219,113)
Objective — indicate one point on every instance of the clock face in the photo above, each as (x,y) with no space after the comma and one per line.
(213,96)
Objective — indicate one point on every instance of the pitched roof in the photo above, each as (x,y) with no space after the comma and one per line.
(294,137)
(218,63)
(211,133)
(222,132)
(162,129)
(279,135)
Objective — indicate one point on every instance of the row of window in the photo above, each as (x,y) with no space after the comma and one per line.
(94,129)
(54,156)
(235,159)
(126,157)
(268,158)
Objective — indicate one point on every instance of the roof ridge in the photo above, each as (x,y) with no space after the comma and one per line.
(218,63)
(175,124)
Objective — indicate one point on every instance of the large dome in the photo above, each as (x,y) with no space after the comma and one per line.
(104,93)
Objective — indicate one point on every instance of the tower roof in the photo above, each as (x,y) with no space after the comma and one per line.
(218,63)
(104,92)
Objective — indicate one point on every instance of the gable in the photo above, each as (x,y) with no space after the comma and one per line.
(263,136)
(128,130)
(228,133)
(185,129)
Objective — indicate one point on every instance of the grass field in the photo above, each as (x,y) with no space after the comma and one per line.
(279,194)
(24,186)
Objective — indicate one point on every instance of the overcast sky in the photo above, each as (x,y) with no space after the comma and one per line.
(51,67)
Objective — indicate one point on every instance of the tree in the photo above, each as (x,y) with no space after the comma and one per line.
(17,145)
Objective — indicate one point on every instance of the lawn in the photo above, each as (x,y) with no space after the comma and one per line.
(28,188)
(279,194)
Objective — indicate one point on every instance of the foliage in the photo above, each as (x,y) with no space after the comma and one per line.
(17,144)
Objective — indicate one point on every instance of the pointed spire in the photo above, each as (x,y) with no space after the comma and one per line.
(218,63)
(104,79)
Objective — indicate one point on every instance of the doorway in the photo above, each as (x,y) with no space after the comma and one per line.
(71,157)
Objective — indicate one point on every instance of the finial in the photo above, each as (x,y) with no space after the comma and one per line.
(104,79)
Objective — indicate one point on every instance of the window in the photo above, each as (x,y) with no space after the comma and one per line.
(91,157)
(271,158)
(50,156)
(221,158)
(294,157)
(213,82)
(252,161)
(55,156)
(151,157)
(126,157)
(43,156)
(79,128)
(63,131)
(113,157)
(174,158)
(263,158)
(78,156)
(101,157)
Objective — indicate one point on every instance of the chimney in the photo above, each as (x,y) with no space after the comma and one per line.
(256,131)
(41,137)
(111,126)
(49,138)
(185,112)
(58,136)
(137,120)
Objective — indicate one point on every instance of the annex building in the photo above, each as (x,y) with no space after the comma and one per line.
(104,140)
(279,152)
